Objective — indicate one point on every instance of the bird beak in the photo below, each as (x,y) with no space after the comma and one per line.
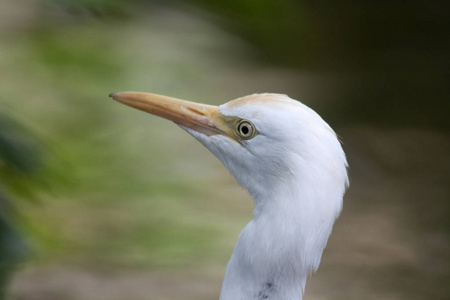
(202,118)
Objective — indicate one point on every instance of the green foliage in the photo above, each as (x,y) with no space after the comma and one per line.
(20,158)
(18,152)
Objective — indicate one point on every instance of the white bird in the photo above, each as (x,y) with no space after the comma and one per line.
(292,164)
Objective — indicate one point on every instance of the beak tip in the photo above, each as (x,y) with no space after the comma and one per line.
(115,96)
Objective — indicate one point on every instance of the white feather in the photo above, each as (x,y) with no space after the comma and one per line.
(295,170)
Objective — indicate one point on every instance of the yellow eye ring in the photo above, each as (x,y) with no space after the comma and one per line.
(246,130)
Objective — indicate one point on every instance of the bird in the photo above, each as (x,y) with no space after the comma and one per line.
(292,164)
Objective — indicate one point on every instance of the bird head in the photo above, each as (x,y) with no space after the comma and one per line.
(268,142)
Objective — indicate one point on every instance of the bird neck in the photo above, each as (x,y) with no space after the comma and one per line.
(283,244)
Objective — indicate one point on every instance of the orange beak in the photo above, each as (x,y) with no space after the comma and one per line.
(202,118)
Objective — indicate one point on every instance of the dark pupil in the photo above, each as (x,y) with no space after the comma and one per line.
(245,130)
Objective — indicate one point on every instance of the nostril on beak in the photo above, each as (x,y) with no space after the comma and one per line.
(195,111)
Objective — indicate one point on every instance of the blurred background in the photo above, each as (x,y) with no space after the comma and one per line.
(100,201)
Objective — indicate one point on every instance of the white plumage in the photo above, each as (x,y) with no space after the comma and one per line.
(291,163)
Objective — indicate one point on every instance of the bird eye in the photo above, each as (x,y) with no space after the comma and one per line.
(246,130)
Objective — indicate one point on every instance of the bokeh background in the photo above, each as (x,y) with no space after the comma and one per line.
(100,201)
